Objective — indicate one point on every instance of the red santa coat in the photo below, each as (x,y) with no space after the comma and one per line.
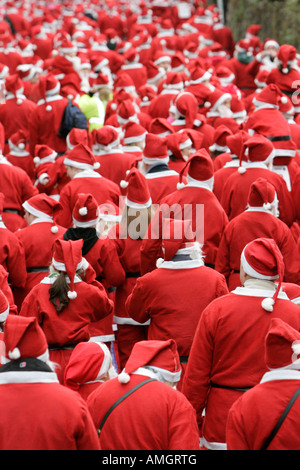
(12,257)
(45,122)
(234,197)
(71,326)
(254,415)
(160,105)
(66,423)
(208,216)
(17,188)
(173,298)
(159,417)
(36,240)
(86,182)
(222,175)
(243,79)
(114,164)
(21,112)
(254,223)
(228,351)
(138,72)
(161,182)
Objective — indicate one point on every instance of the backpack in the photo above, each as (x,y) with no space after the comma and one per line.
(73,117)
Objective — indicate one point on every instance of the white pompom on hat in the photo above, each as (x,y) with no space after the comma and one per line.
(162,355)
(85,212)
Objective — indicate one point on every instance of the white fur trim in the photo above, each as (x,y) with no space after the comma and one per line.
(251,272)
(36,212)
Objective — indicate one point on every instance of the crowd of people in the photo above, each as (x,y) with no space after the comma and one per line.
(149,229)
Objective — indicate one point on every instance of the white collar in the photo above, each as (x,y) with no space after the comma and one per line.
(186,264)
(87,174)
(28,377)
(280,374)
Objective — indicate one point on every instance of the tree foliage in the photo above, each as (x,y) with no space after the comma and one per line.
(279,19)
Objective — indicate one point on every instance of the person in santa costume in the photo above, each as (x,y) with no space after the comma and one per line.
(80,163)
(286,75)
(28,383)
(196,201)
(181,271)
(17,187)
(90,365)
(4,312)
(12,253)
(134,138)
(102,257)
(180,146)
(127,237)
(109,153)
(66,301)
(37,239)
(253,420)
(165,422)
(259,152)
(160,178)
(18,154)
(260,219)
(7,291)
(160,105)
(219,370)
(44,123)
(16,105)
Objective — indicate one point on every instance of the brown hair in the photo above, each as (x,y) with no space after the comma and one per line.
(59,293)
(129,216)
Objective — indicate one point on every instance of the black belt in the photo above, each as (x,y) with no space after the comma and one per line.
(38,269)
(236,271)
(134,275)
(227,387)
(279,138)
(212,266)
(184,359)
(111,289)
(58,348)
(13,211)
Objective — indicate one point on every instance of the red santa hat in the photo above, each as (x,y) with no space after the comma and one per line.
(146,94)
(43,154)
(156,149)
(262,194)
(270,42)
(85,212)
(177,238)
(235,143)
(253,30)
(199,75)
(4,307)
(257,149)
(106,138)
(262,259)
(270,96)
(89,362)
(220,139)
(44,207)
(286,57)
(161,356)
(137,194)
(196,137)
(154,73)
(261,78)
(77,136)
(282,345)
(24,338)
(133,132)
(161,127)
(238,108)
(187,106)
(102,81)
(18,140)
(67,258)
(174,80)
(199,167)
(216,99)
(161,57)
(67,47)
(49,85)
(177,142)
(26,72)
(81,157)
(14,85)
(225,75)
(124,81)
(178,62)
(126,112)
